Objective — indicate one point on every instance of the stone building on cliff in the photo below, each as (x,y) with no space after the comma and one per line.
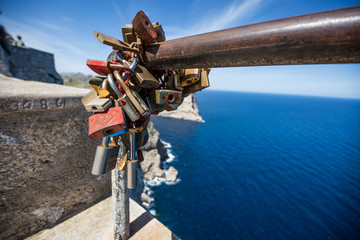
(26,63)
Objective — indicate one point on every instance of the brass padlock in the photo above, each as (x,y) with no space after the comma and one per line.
(174,82)
(88,98)
(105,157)
(191,76)
(159,31)
(200,85)
(128,33)
(143,77)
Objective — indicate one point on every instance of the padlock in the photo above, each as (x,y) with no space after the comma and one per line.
(128,33)
(106,67)
(159,32)
(191,76)
(165,96)
(143,77)
(88,98)
(138,103)
(98,105)
(126,104)
(105,157)
(200,85)
(132,163)
(139,140)
(174,82)
(116,44)
(170,99)
(125,130)
(107,123)
(131,168)
(139,125)
(143,28)
(124,101)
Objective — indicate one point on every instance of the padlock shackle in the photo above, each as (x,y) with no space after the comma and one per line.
(113,86)
(121,81)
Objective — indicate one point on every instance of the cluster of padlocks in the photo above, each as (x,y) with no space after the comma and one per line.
(125,94)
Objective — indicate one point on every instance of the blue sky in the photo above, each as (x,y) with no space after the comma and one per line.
(66,27)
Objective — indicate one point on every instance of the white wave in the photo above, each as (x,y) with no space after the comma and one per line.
(171,156)
(146,205)
(153,212)
(155,182)
(173,183)
(166,144)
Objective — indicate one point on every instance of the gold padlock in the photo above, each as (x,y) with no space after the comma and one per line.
(174,82)
(191,76)
(200,85)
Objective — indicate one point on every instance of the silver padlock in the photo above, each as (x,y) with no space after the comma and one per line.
(98,105)
(124,101)
(105,157)
(132,164)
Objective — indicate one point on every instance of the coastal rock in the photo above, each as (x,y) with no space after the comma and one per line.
(145,198)
(152,163)
(188,110)
(171,175)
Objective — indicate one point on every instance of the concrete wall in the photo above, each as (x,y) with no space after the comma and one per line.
(45,157)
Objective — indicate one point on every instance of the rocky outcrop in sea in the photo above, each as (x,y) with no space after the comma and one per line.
(188,110)
(154,171)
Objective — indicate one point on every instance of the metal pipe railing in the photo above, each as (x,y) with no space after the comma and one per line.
(318,38)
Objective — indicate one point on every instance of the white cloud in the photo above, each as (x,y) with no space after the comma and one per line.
(211,22)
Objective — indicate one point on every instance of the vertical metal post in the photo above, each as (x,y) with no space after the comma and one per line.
(120,196)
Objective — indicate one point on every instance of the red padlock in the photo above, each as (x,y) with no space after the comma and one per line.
(106,123)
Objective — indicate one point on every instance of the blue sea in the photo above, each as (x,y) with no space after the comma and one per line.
(263,166)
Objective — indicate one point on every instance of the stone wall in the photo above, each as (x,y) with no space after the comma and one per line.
(32,64)
(26,63)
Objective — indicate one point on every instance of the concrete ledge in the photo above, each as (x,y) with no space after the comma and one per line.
(19,95)
(97,223)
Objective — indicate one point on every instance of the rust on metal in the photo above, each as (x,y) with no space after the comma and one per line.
(143,28)
(113,42)
(318,38)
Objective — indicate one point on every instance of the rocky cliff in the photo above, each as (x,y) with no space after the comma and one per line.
(188,110)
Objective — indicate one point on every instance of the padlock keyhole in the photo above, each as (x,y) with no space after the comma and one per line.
(170,98)
(108,131)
